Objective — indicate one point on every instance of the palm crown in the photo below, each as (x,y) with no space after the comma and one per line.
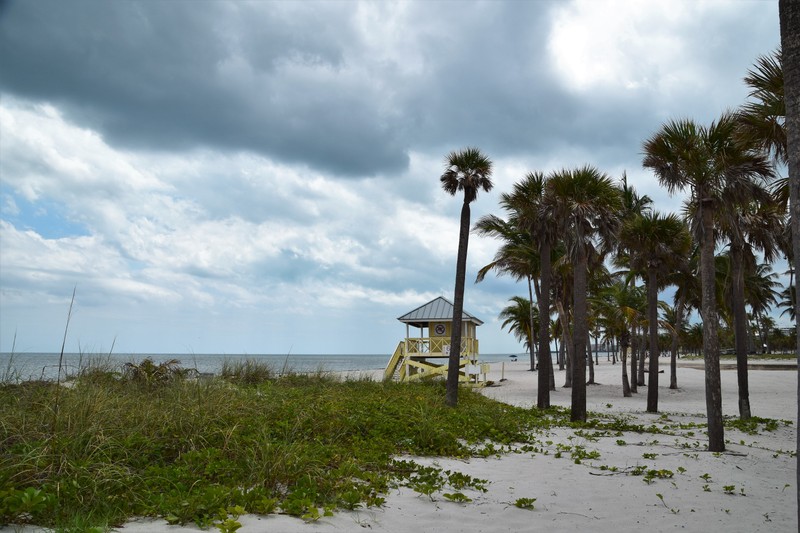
(467,170)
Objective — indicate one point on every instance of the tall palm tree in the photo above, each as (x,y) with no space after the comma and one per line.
(749,221)
(789,12)
(658,244)
(585,204)
(469,171)
(519,254)
(516,257)
(526,239)
(705,159)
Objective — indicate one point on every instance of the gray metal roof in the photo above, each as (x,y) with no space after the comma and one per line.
(437,310)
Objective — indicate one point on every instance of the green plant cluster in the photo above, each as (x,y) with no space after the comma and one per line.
(149,441)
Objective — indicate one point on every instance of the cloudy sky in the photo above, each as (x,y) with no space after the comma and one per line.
(262,177)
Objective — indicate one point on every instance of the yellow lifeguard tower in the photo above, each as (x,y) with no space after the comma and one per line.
(427,355)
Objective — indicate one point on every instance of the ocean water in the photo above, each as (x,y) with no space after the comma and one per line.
(31,366)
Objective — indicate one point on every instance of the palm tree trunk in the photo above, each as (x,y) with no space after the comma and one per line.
(579,333)
(590,360)
(789,11)
(545,361)
(623,350)
(566,343)
(451,394)
(634,351)
(673,359)
(641,352)
(652,312)
(740,329)
(716,433)
(531,343)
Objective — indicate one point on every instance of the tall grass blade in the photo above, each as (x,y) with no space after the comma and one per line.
(61,361)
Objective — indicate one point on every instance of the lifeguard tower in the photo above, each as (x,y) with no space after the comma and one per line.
(427,355)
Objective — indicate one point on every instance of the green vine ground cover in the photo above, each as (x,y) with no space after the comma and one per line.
(151,442)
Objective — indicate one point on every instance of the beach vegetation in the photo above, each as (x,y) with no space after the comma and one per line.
(525,503)
(138,443)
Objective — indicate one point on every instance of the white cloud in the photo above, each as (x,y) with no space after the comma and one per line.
(627,45)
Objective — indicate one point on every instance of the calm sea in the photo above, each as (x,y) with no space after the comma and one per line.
(27,366)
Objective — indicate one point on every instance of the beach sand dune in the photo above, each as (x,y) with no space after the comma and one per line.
(749,488)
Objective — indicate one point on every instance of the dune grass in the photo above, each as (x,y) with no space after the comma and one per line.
(147,440)
(158,440)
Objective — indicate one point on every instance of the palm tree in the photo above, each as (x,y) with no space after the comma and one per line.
(519,255)
(687,285)
(526,239)
(584,203)
(749,221)
(705,159)
(516,257)
(469,171)
(658,244)
(619,305)
(761,293)
(763,116)
(789,12)
(788,303)
(517,318)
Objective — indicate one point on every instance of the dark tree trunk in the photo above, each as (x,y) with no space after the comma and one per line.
(740,329)
(673,359)
(590,360)
(652,318)
(579,335)
(789,11)
(559,351)
(716,433)
(451,394)
(532,339)
(566,343)
(545,361)
(640,354)
(623,358)
(634,351)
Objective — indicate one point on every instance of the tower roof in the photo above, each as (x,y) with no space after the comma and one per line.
(437,310)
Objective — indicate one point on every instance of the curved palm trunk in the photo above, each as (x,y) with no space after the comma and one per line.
(579,335)
(790,43)
(652,317)
(545,361)
(740,329)
(673,359)
(716,434)
(451,395)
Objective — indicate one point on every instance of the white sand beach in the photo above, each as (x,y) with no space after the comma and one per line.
(749,488)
